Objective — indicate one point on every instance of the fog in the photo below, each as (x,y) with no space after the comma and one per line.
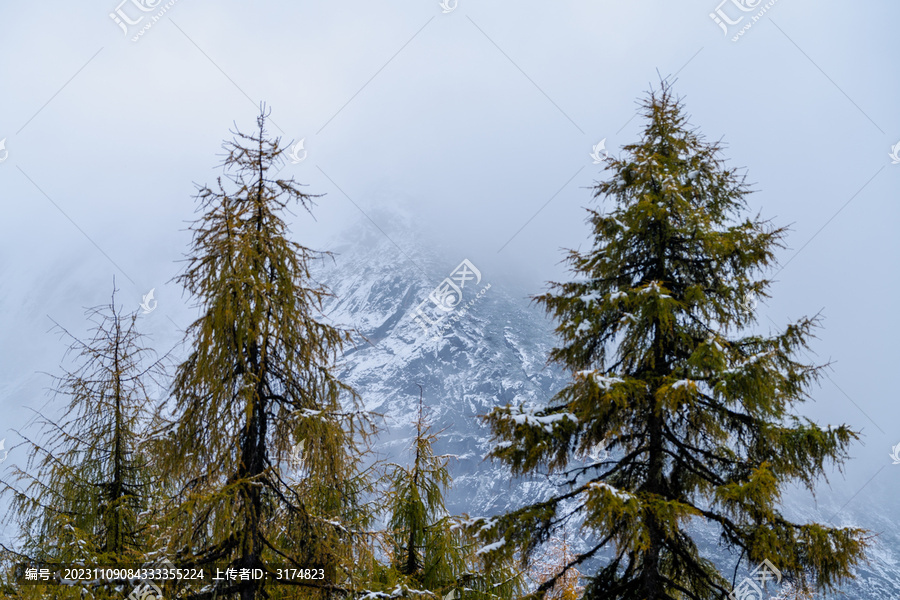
(478,122)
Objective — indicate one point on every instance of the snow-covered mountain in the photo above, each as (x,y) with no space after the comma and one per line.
(489,349)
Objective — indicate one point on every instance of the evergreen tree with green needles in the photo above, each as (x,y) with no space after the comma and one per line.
(425,548)
(266,439)
(431,550)
(697,410)
(83,496)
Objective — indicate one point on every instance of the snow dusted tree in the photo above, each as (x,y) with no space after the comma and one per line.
(83,495)
(430,549)
(696,408)
(258,384)
(556,555)
(425,548)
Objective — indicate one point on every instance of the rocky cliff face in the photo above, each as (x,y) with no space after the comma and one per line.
(442,324)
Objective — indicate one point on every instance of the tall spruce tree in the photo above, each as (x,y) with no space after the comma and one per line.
(257,385)
(696,408)
(83,495)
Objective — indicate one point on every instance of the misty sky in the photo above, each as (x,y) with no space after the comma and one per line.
(477,122)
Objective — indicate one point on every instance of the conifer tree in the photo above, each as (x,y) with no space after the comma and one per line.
(425,548)
(258,383)
(431,549)
(556,555)
(82,496)
(696,407)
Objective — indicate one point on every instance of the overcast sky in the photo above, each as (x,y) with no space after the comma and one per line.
(478,121)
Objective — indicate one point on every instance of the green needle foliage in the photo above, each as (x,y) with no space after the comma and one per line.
(83,495)
(699,411)
(257,384)
(425,548)
(430,549)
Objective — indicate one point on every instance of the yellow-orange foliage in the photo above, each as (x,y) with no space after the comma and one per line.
(557,555)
